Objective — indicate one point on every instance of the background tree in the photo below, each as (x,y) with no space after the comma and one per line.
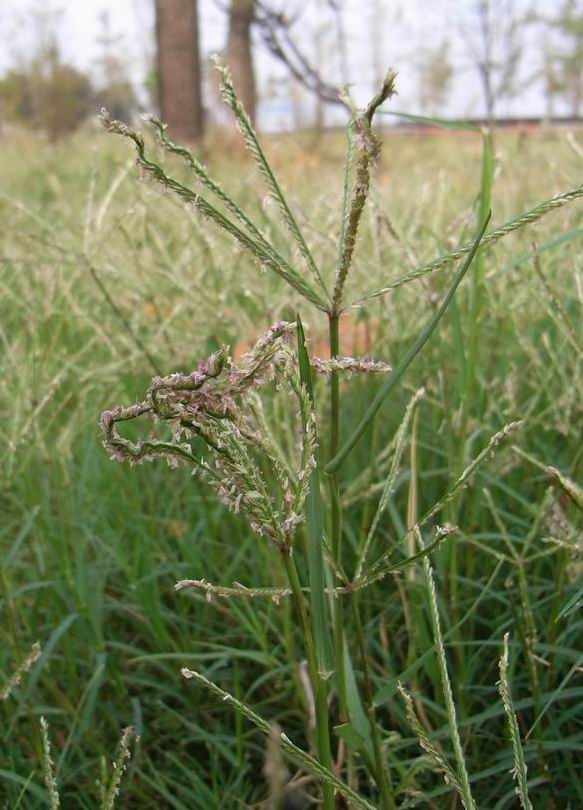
(568,58)
(553,85)
(116,91)
(239,55)
(179,70)
(44,92)
(494,42)
(435,78)
(278,30)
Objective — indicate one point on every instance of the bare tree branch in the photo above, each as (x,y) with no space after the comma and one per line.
(275,29)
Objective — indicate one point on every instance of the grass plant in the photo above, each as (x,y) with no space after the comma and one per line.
(302,602)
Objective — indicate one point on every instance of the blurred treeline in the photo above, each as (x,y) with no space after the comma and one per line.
(42,91)
(507,47)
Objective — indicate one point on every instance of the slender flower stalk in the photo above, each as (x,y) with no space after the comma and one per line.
(49,767)
(25,666)
(119,767)
(520,771)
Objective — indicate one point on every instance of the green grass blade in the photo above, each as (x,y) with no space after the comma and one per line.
(441,123)
(396,375)
(551,699)
(529,255)
(572,605)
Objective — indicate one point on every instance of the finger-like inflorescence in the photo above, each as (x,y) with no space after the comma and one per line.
(210,404)
(352,365)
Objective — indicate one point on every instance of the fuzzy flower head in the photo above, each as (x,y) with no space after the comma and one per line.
(217,405)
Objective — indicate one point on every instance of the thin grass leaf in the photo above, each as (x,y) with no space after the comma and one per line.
(549,244)
(440,123)
(490,238)
(28,786)
(552,697)
(404,364)
(138,343)
(301,757)
(231,99)
(572,605)
(519,772)
(358,718)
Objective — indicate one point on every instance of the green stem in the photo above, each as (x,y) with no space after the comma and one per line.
(382,773)
(336,520)
(318,684)
(408,358)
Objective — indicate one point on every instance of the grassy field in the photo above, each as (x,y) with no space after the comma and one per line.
(104,279)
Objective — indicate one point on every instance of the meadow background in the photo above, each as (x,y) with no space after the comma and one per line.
(91,549)
(106,279)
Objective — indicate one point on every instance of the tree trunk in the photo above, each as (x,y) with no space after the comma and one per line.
(179,72)
(239,56)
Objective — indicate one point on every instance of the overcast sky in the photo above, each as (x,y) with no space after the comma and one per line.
(378,32)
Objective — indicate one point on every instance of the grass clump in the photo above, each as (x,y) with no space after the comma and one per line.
(347,519)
